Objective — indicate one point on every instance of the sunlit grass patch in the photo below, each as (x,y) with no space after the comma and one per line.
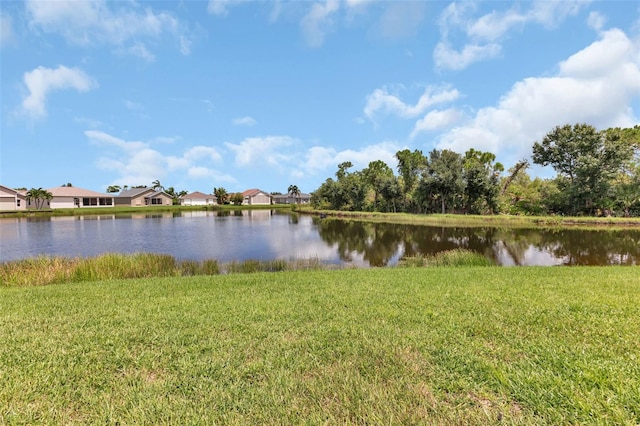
(463,345)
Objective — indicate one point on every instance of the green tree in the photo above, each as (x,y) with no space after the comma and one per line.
(482,182)
(327,196)
(586,160)
(526,196)
(348,192)
(443,181)
(113,188)
(410,166)
(222,196)
(626,185)
(391,193)
(175,195)
(377,176)
(352,190)
(39,196)
(236,198)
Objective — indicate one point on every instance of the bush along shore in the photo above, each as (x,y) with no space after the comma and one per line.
(44,270)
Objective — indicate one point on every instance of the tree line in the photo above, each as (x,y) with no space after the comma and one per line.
(597,173)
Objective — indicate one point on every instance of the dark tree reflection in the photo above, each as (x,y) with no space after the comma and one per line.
(381,244)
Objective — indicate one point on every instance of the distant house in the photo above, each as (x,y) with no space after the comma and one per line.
(291,199)
(255,197)
(68,197)
(140,197)
(198,199)
(11,199)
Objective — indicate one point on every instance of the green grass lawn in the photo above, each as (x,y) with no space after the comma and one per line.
(380,346)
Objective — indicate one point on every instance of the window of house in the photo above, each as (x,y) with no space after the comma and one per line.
(18,203)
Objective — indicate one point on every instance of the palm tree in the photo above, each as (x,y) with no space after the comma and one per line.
(157,186)
(295,192)
(221,195)
(114,188)
(39,196)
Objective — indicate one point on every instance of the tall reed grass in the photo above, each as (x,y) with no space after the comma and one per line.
(45,270)
(457,257)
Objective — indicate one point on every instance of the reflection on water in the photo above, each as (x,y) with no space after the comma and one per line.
(382,244)
(266,234)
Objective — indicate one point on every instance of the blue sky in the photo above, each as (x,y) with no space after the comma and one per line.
(266,94)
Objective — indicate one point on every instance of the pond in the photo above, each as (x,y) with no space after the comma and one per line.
(267,235)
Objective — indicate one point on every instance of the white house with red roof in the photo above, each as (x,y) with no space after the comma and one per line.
(255,197)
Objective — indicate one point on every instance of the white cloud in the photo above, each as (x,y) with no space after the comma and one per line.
(494,25)
(137,163)
(41,81)
(199,152)
(140,50)
(185,45)
(484,34)
(200,172)
(448,58)
(381,101)
(600,57)
(6,29)
(318,21)
(436,120)
(320,158)
(596,21)
(100,137)
(99,22)
(221,7)
(139,168)
(596,85)
(402,19)
(262,150)
(357,4)
(552,13)
(244,121)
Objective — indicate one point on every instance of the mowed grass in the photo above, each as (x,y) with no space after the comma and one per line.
(464,345)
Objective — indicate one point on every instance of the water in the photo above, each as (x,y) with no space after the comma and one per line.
(267,235)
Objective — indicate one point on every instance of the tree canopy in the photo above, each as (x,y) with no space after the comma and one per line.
(598,172)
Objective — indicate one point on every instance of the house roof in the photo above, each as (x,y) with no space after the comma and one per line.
(12,191)
(73,191)
(253,192)
(198,196)
(134,192)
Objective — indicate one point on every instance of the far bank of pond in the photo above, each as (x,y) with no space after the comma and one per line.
(238,235)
